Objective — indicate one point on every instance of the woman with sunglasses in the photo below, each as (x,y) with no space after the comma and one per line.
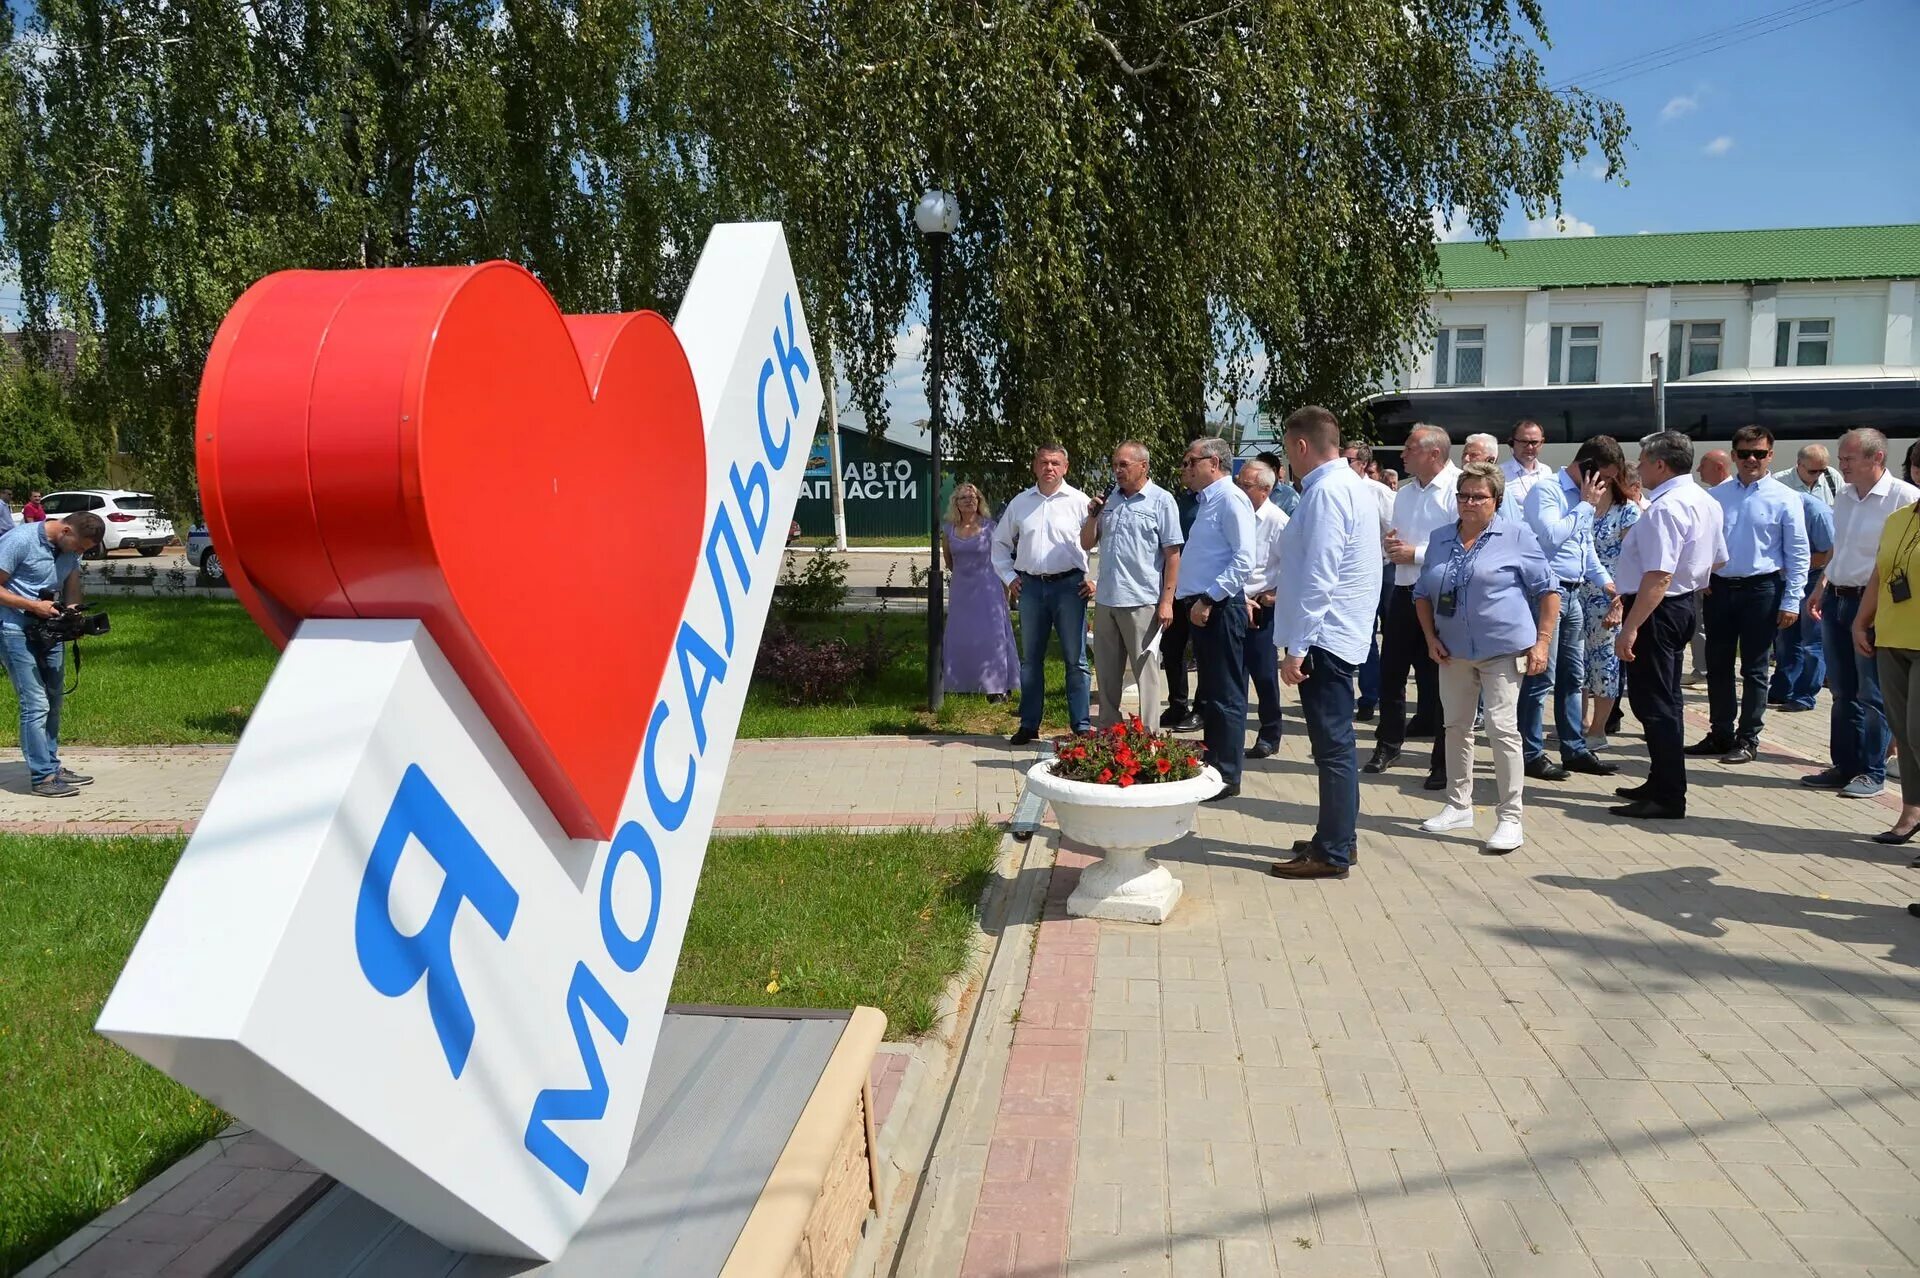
(1887,628)
(1488,605)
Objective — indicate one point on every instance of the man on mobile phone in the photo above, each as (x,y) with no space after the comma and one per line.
(36,569)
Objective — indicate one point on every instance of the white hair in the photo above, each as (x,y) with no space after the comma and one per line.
(1260,472)
(1483,440)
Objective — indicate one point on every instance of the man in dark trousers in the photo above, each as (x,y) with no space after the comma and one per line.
(1179,715)
(1212,590)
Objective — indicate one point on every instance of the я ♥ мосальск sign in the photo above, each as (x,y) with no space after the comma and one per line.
(519,563)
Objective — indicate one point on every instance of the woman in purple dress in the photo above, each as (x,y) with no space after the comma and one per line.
(980,655)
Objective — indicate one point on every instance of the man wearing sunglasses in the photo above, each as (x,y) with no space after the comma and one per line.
(1752,597)
(1812,473)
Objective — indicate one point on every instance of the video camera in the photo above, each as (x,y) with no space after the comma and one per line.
(69,624)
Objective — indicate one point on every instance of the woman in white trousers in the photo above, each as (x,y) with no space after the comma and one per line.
(1488,605)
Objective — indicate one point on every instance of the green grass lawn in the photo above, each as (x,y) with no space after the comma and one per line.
(188,670)
(833,919)
(170,671)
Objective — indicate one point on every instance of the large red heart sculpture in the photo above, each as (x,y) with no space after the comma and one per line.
(444,444)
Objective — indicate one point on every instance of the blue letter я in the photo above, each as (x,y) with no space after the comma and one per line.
(394,963)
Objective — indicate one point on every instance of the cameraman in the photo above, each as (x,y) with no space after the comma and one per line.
(36,564)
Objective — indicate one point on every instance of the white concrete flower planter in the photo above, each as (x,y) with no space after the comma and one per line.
(1125,824)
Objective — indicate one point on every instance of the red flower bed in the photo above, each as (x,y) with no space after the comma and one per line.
(1126,754)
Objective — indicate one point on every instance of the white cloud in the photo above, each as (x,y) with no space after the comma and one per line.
(1684,104)
(1564,226)
(1459,230)
(1719,146)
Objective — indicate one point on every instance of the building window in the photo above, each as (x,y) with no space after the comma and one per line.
(1803,343)
(1693,348)
(1459,357)
(1573,354)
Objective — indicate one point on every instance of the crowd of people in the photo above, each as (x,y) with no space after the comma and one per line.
(1497,588)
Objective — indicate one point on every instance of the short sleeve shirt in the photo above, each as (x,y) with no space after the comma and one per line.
(33,568)
(1135,534)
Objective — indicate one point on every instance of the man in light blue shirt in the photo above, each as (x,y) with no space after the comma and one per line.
(1799,660)
(1560,513)
(1756,594)
(1137,527)
(36,577)
(1214,567)
(1329,590)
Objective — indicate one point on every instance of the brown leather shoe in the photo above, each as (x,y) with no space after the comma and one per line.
(1307,867)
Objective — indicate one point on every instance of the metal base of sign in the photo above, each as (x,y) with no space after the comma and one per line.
(727,1090)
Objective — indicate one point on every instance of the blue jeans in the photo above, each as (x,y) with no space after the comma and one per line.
(1326,702)
(1566,678)
(1743,620)
(39,680)
(1859,733)
(1049,607)
(1800,660)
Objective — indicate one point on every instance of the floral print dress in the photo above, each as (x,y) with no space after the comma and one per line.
(1603,666)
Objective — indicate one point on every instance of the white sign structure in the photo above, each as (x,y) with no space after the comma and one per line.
(381,949)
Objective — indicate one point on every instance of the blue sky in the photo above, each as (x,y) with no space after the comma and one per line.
(1812,125)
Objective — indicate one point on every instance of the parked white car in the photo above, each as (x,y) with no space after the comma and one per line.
(132,521)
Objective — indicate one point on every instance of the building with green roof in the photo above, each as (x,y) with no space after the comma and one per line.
(1595,309)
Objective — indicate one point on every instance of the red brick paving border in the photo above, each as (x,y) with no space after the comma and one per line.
(1026,1198)
(756,821)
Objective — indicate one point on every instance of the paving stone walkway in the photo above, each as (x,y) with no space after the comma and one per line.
(843,782)
(1676,1049)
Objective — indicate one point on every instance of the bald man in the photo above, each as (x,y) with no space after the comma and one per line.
(1716,467)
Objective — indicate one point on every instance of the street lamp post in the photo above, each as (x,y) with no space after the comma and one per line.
(938,216)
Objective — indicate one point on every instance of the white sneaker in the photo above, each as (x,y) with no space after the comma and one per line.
(1506,837)
(1450,818)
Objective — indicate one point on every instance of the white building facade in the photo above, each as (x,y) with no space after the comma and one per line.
(1594,310)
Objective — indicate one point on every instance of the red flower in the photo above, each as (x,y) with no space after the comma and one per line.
(1127,780)
(1106,774)
(1188,762)
(1164,765)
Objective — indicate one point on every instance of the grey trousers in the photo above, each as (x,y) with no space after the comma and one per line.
(1900,687)
(1119,635)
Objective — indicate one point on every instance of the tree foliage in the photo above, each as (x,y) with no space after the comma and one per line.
(1164,199)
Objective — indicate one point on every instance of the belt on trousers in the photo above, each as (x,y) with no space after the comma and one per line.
(1847,592)
(1052,576)
(1575,584)
(1740,583)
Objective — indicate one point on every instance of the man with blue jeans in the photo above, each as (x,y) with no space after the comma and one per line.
(1330,585)
(1799,662)
(1859,735)
(1560,513)
(36,568)
(1037,556)
(1752,597)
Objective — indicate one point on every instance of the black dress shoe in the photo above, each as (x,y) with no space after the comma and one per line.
(1261,751)
(1913,908)
(1364,711)
(1648,810)
(1421,728)
(1231,792)
(1023,737)
(1434,781)
(1304,847)
(1545,769)
(1614,721)
(1190,723)
(1826,779)
(1172,715)
(1631,791)
(1740,754)
(1591,765)
(1307,867)
(1710,745)
(1383,757)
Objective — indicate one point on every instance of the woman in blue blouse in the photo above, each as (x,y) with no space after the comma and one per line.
(1488,605)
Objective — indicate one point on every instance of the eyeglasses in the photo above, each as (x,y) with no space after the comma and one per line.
(1473,496)
(1193,461)
(1753,454)
(1528,443)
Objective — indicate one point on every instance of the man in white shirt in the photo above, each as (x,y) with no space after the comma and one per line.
(1858,736)
(1359,457)
(1256,480)
(1524,470)
(1037,555)
(1665,559)
(1480,447)
(1811,473)
(1424,503)
(1330,570)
